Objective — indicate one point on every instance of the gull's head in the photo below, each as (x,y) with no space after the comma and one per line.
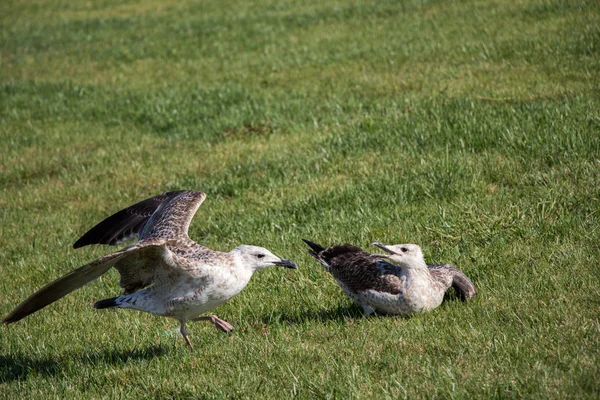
(256,258)
(405,255)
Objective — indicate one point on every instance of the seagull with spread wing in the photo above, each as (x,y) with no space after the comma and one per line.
(164,272)
(376,284)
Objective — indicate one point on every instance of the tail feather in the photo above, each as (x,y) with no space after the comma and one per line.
(464,288)
(106,303)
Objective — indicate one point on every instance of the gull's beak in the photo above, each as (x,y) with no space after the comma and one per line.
(286,263)
(383,247)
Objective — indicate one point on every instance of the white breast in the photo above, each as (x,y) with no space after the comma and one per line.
(209,290)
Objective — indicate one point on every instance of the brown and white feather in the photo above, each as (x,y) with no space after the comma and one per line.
(167,215)
(164,272)
(378,285)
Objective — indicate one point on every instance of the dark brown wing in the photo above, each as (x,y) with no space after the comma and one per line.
(343,251)
(356,269)
(360,271)
(166,214)
(325,255)
(451,276)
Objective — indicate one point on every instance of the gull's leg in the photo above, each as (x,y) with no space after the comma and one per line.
(185,335)
(367,309)
(220,324)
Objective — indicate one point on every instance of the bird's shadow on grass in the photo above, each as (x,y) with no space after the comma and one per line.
(339,314)
(19,367)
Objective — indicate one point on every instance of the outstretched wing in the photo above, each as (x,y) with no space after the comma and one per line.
(167,215)
(154,255)
(153,262)
(464,288)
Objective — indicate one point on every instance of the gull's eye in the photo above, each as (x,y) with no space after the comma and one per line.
(260,256)
(404,249)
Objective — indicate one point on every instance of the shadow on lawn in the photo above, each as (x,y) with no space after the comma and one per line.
(19,367)
(339,314)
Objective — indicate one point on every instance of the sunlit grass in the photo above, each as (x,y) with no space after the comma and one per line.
(471,128)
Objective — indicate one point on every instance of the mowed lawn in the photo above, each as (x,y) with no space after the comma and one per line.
(469,127)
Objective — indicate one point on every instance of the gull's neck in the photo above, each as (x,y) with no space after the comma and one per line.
(417,269)
(241,263)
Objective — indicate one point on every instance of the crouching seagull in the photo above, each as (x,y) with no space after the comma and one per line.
(375,284)
(164,272)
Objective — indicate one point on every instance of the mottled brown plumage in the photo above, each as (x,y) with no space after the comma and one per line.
(166,215)
(164,272)
(357,269)
(376,284)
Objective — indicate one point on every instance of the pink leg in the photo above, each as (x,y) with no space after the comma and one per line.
(185,335)
(220,324)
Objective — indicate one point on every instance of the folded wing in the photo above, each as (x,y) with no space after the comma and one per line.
(356,269)
(363,272)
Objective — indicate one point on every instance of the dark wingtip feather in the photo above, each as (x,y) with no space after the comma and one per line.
(16,316)
(115,229)
(79,243)
(106,303)
(124,224)
(315,247)
(61,287)
(129,222)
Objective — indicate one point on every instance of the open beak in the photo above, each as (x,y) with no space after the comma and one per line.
(286,263)
(383,247)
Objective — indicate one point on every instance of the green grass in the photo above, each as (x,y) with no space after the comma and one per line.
(469,127)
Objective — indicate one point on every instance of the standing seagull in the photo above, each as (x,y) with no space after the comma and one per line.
(164,272)
(377,285)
